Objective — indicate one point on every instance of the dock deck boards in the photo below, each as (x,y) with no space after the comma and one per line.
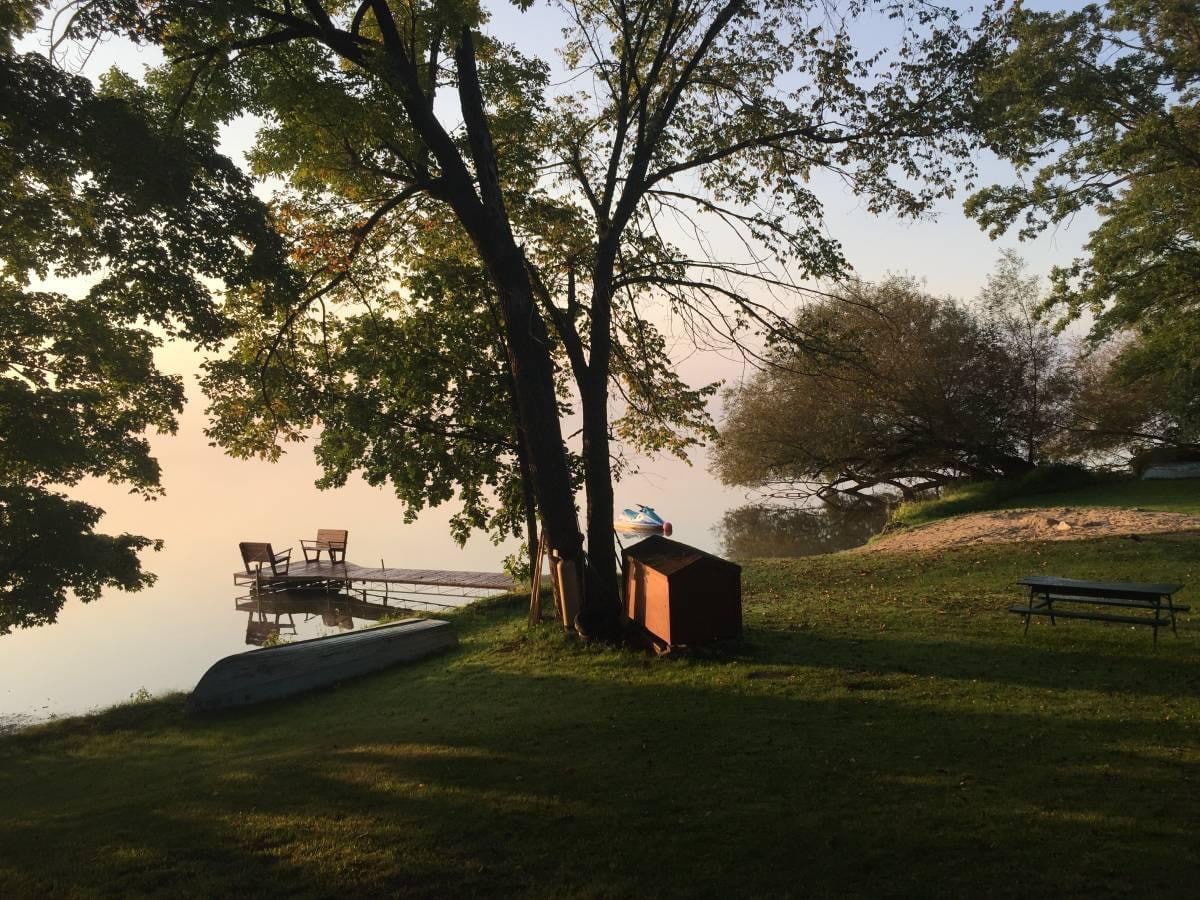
(349,572)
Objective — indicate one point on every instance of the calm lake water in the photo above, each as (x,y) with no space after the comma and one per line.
(164,638)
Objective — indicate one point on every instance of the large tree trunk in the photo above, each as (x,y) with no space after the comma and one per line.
(485,219)
(527,498)
(601,614)
(533,389)
(537,407)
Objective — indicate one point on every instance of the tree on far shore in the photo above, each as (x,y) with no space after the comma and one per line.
(1011,301)
(907,392)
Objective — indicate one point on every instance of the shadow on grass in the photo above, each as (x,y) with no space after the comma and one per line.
(1043,660)
(495,783)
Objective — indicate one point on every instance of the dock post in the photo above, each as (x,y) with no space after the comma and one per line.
(535,578)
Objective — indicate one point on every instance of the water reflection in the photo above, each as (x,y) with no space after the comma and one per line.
(772,531)
(274,617)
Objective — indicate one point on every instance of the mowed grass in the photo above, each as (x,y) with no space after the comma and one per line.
(884,729)
(1179,496)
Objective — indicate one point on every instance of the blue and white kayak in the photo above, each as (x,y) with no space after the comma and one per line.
(642,520)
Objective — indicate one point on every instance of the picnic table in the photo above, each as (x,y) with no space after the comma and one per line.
(1047,593)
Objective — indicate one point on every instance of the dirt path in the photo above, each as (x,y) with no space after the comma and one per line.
(1053,524)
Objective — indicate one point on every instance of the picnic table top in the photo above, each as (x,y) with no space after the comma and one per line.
(1114,587)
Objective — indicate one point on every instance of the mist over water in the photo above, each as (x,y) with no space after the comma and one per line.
(165,637)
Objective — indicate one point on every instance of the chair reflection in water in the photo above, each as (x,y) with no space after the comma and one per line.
(265,626)
(262,631)
(271,614)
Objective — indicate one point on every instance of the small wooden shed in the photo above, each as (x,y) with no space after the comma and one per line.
(680,594)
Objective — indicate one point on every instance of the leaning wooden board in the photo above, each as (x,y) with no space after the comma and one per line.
(272,673)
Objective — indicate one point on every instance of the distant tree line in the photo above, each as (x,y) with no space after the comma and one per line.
(895,391)
(1099,109)
(1096,109)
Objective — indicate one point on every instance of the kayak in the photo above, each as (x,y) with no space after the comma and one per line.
(643,520)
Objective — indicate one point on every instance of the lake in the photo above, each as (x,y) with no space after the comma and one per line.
(165,637)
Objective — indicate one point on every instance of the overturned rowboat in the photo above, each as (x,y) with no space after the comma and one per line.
(272,673)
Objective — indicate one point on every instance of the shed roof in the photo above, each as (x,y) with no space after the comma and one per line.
(668,556)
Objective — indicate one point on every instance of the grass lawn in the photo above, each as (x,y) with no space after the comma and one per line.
(1180,496)
(884,729)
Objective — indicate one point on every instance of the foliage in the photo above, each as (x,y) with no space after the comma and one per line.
(1110,418)
(97,188)
(884,726)
(887,398)
(517,566)
(895,391)
(403,379)
(584,211)
(1039,358)
(48,547)
(1099,109)
(716,118)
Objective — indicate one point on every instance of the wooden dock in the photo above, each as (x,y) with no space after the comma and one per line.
(362,578)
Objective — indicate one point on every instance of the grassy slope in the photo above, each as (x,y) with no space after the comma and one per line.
(884,728)
(1181,496)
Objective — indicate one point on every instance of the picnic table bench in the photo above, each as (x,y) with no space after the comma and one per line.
(1046,591)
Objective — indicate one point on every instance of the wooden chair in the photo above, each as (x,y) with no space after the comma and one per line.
(331,540)
(256,556)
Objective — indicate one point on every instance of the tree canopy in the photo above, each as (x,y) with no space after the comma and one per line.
(1041,360)
(97,189)
(898,392)
(403,380)
(1099,108)
(391,121)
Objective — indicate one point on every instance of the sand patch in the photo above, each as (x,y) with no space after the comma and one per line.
(1060,523)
